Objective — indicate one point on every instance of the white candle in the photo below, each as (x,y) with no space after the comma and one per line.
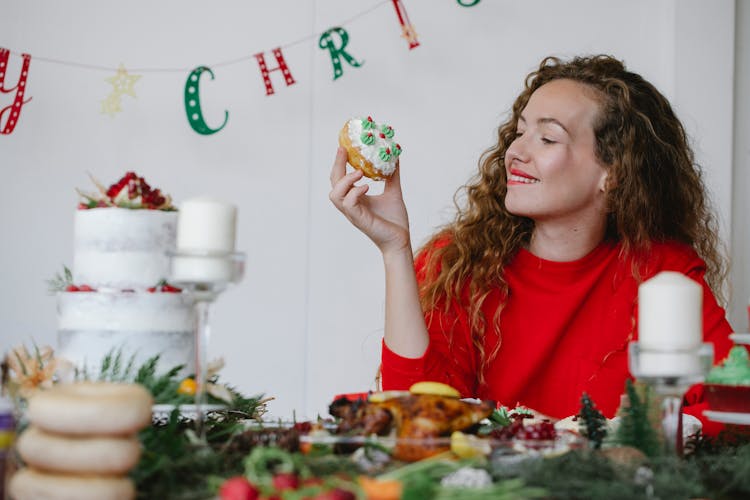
(670,313)
(206,225)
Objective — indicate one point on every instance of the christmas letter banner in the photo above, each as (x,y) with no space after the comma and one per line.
(334,41)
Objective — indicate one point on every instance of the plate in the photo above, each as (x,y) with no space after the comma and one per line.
(740,338)
(160,413)
(727,417)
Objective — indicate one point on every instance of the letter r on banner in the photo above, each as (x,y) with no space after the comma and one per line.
(264,70)
(326,42)
(13,110)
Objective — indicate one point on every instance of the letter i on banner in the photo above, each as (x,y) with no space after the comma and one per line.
(13,110)
(281,67)
(406,27)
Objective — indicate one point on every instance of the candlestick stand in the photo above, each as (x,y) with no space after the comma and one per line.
(669,374)
(205,275)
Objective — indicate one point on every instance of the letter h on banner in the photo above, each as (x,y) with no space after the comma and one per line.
(264,70)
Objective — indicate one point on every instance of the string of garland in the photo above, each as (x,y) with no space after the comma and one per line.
(334,40)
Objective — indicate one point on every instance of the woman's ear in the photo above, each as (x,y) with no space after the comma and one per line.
(604,183)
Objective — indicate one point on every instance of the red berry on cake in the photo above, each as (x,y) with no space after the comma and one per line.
(131,191)
(163,286)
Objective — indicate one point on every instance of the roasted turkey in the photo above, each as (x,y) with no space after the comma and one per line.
(416,418)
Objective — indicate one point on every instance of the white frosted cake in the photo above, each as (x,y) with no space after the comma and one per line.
(122,247)
(117,299)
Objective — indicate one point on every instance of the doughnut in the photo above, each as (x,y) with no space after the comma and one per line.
(106,455)
(86,408)
(370,147)
(30,484)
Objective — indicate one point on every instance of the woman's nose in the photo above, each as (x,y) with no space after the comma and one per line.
(517,150)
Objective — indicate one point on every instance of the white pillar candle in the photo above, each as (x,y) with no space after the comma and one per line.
(206,225)
(205,228)
(670,313)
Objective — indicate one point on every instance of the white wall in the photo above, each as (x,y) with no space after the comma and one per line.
(740,277)
(306,322)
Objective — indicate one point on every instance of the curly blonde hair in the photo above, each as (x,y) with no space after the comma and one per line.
(655,193)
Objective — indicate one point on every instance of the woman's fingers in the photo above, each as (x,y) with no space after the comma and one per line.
(393,183)
(352,198)
(339,166)
(342,187)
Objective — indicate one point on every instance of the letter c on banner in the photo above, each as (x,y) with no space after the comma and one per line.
(193,103)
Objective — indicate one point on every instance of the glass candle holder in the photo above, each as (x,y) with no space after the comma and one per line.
(205,275)
(669,374)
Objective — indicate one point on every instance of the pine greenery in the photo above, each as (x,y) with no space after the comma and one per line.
(635,428)
(592,423)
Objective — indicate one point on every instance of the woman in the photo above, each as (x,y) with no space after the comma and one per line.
(529,295)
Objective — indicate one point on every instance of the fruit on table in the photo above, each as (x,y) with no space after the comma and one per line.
(434,388)
(187,386)
(379,397)
(285,481)
(469,445)
(238,488)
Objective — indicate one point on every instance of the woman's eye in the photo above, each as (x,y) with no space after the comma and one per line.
(545,140)
(518,134)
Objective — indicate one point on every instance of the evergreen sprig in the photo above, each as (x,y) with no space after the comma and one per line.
(59,281)
(592,423)
(635,428)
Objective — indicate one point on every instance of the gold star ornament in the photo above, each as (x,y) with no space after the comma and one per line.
(122,83)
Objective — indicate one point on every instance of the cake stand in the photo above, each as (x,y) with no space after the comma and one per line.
(205,275)
(669,374)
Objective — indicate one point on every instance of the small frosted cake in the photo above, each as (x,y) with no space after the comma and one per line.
(728,385)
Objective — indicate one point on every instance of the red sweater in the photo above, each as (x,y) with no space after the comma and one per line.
(565,330)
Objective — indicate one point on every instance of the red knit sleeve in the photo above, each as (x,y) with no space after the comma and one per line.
(448,357)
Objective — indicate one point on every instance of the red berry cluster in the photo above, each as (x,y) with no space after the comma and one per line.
(137,186)
(239,488)
(541,431)
(79,288)
(163,286)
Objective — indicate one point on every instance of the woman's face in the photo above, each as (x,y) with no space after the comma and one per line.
(553,173)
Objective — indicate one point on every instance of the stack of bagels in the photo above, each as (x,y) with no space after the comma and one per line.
(81,442)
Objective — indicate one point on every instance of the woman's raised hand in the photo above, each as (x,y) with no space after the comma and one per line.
(382,217)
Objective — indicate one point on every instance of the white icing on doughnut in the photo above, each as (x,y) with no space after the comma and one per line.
(372,152)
